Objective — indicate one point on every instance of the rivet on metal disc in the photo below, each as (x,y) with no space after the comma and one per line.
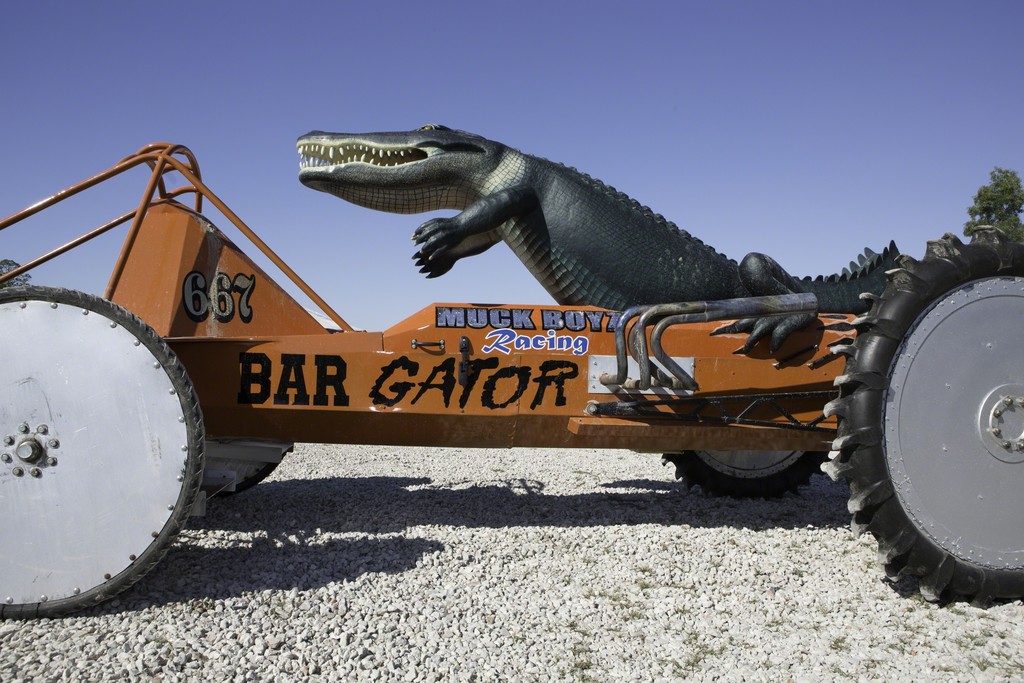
(76,591)
(53,305)
(171,391)
(171,508)
(113,324)
(131,557)
(181,418)
(155,534)
(184,449)
(23,304)
(137,342)
(85,312)
(9,600)
(156,364)
(181,478)
(107,577)
(42,598)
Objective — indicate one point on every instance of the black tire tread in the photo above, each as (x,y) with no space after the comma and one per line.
(693,471)
(858,450)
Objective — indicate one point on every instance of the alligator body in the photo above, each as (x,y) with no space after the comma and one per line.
(585,242)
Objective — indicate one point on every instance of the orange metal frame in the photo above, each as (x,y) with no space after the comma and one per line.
(453,374)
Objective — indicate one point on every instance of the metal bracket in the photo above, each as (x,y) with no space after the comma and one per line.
(714,410)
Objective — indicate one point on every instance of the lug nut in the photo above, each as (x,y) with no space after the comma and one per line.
(29,450)
(17,471)
(51,461)
(42,429)
(1005,444)
(8,440)
(23,428)
(996,432)
(6,457)
(36,472)
(53,443)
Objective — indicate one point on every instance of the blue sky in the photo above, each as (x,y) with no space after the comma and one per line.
(805,130)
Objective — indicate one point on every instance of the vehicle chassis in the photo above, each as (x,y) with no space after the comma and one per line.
(250,371)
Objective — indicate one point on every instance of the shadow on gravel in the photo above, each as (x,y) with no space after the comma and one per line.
(287,560)
(393,504)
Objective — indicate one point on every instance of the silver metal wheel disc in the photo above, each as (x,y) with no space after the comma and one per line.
(93,446)
(954,423)
(749,464)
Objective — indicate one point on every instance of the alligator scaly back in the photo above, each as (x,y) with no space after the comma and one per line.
(636,207)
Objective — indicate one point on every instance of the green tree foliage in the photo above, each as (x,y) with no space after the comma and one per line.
(998,204)
(6,266)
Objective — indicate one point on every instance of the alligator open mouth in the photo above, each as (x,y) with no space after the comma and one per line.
(319,155)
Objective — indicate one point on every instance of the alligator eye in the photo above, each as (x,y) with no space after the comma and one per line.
(433,126)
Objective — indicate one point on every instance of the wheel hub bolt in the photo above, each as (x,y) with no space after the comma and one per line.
(17,471)
(6,457)
(53,443)
(36,472)
(51,461)
(23,428)
(42,429)
(29,450)
(8,440)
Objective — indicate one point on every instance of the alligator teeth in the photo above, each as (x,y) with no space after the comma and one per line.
(319,156)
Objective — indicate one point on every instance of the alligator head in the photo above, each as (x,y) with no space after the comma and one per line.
(427,169)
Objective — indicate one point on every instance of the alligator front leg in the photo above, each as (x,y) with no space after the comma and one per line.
(443,241)
(763,276)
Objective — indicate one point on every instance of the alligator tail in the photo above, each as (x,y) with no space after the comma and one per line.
(841,293)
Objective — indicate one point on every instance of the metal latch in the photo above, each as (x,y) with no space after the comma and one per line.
(464,362)
(438,344)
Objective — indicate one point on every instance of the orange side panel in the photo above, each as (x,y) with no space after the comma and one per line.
(185,278)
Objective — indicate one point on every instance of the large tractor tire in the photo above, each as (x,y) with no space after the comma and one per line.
(746,474)
(931,420)
(101,450)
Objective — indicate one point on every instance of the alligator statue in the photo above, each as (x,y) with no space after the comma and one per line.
(584,241)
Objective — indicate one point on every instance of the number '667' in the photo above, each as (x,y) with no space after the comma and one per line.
(200,298)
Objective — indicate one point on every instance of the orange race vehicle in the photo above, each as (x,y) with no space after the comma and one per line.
(195,373)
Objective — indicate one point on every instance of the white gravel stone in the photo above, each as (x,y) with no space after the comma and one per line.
(357,563)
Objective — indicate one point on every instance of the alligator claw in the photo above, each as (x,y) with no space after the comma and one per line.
(432,267)
(437,236)
(777,328)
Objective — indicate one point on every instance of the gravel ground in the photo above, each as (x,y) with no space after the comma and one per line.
(407,564)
